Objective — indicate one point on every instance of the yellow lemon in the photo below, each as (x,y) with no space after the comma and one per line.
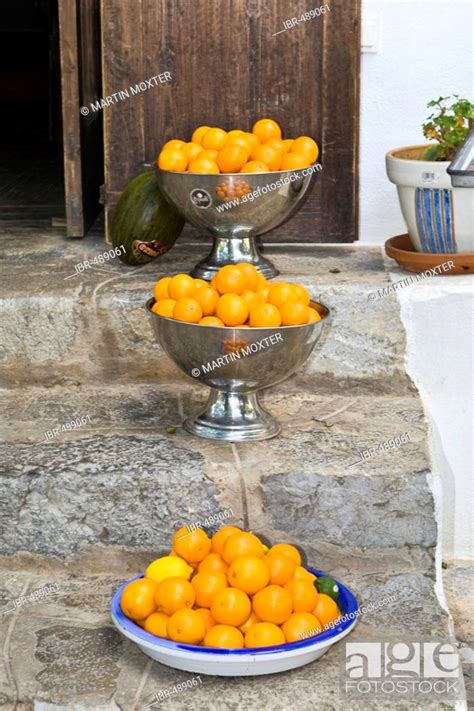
(168,567)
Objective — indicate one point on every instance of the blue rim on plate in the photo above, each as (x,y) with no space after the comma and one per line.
(347,602)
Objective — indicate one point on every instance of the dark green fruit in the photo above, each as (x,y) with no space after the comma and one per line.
(143,222)
(328,586)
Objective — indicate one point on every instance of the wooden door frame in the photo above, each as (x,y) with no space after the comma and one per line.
(82,134)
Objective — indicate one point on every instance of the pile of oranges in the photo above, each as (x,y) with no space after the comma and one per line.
(213,150)
(231,592)
(237,296)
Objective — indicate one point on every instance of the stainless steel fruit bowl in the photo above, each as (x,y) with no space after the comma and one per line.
(206,201)
(236,363)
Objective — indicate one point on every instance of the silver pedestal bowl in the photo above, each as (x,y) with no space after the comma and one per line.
(236,363)
(205,201)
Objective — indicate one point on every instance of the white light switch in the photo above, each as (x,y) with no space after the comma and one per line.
(370,33)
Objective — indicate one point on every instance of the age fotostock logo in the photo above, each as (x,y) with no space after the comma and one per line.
(402,668)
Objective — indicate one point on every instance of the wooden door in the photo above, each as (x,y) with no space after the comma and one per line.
(231,63)
(79,35)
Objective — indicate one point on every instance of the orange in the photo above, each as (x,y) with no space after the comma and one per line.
(262,294)
(194,546)
(173,159)
(252,140)
(186,626)
(234,132)
(174,143)
(281,568)
(250,297)
(199,133)
(187,309)
(209,153)
(207,299)
(251,275)
(224,637)
(287,549)
(156,624)
(294,161)
(301,625)
(241,544)
(276,143)
(301,294)
(181,285)
(252,620)
(303,594)
(268,155)
(255,166)
(273,604)
(192,150)
(265,129)
(173,594)
(231,158)
(160,290)
(211,321)
(214,139)
(213,561)
(262,281)
(138,599)
(326,609)
(264,634)
(199,283)
(303,574)
(231,607)
(304,145)
(232,309)
(206,585)
(249,574)
(164,307)
(203,164)
(264,315)
(230,280)
(280,293)
(294,314)
(287,143)
(313,315)
(212,283)
(219,538)
(242,141)
(209,621)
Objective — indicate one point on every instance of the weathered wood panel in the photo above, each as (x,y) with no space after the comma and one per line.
(82,135)
(229,67)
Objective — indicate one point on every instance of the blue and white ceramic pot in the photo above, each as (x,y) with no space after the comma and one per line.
(439,218)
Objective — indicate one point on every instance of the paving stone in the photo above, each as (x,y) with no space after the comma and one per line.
(61,496)
(337,508)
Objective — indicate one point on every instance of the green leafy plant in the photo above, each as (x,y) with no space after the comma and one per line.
(448,125)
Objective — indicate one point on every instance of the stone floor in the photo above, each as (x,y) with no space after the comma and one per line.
(63,653)
(88,509)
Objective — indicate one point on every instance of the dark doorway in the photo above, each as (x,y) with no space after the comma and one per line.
(31,161)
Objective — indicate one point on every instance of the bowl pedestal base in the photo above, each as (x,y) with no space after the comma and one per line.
(232,250)
(233,417)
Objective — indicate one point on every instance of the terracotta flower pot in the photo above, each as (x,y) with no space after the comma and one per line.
(439,218)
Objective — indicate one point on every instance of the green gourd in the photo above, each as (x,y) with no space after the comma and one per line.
(144,223)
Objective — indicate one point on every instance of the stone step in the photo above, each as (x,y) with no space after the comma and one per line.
(59,327)
(132,473)
(63,652)
(88,508)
